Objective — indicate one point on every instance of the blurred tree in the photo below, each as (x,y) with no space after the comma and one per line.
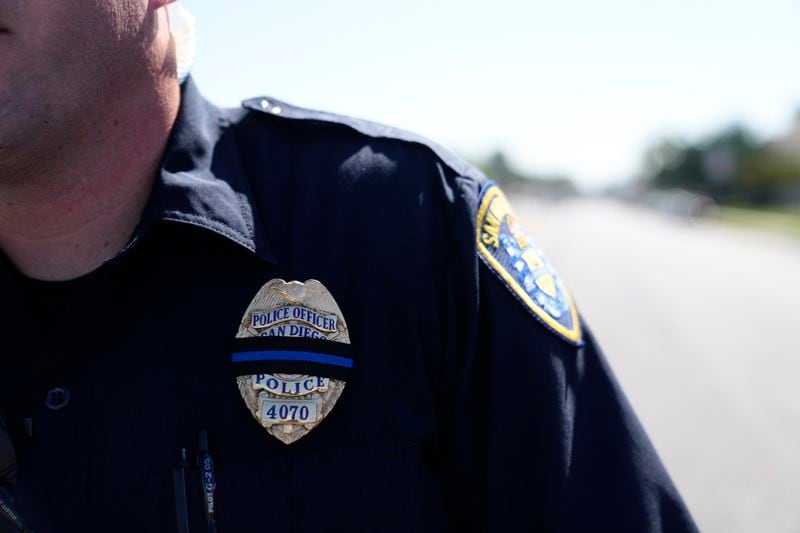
(498,167)
(730,166)
(772,178)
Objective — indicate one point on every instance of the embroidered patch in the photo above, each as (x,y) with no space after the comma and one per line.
(510,253)
(291,357)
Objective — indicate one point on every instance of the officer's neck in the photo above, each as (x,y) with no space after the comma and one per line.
(64,217)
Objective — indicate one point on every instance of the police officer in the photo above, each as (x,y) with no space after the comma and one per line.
(276,319)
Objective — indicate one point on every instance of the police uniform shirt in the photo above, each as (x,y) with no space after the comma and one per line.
(464,411)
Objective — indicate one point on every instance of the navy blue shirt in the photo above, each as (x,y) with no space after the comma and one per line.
(467,408)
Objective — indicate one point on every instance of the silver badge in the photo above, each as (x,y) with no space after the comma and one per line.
(288,406)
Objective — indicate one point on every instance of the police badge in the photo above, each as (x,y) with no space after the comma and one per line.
(291,357)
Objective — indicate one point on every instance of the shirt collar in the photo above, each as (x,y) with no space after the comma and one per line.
(202,181)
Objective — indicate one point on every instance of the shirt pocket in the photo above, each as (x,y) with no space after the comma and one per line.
(356,489)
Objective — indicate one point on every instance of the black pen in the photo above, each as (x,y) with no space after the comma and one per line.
(179,483)
(207,481)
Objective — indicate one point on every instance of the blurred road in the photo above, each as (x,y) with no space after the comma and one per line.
(701,324)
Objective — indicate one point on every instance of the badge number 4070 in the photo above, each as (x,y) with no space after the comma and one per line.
(281,411)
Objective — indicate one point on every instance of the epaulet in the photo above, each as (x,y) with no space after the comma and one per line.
(282,110)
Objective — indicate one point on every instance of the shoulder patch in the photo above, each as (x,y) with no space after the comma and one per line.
(508,251)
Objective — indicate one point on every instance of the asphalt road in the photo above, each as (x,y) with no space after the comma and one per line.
(701,323)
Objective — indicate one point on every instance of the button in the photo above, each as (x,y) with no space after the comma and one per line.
(57,398)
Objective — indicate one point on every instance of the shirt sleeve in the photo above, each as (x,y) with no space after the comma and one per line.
(540,437)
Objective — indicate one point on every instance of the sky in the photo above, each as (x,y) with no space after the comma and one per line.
(574,87)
